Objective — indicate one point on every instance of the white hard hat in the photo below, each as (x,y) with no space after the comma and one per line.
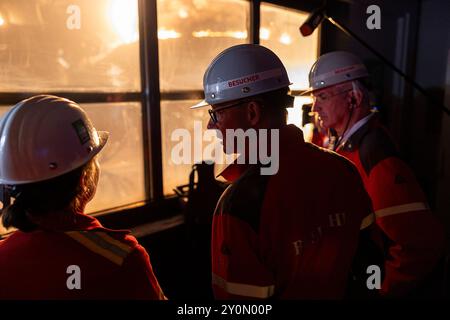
(242,71)
(44,137)
(334,68)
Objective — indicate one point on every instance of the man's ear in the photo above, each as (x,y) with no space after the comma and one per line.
(355,98)
(254,114)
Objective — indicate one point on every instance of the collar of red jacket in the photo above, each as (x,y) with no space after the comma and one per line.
(355,139)
(288,134)
(68,221)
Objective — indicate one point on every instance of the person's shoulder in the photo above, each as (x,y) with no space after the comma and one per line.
(245,197)
(125,245)
(122,235)
(114,245)
(376,146)
(329,160)
(19,239)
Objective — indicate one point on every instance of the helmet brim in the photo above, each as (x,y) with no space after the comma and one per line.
(307,92)
(201,104)
(103,137)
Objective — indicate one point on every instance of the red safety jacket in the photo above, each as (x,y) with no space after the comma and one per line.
(110,264)
(275,236)
(414,239)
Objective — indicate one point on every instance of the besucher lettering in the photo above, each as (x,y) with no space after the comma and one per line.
(241,81)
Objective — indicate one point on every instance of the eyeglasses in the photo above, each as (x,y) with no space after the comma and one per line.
(212,112)
(323,97)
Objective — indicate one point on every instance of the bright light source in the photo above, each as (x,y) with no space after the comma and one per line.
(295,113)
(264,34)
(285,39)
(295,116)
(2,21)
(301,100)
(201,34)
(63,62)
(239,34)
(182,13)
(164,34)
(218,34)
(123,15)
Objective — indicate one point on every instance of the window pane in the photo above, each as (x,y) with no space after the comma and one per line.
(122,160)
(279,32)
(177,117)
(295,114)
(192,32)
(3,110)
(82,45)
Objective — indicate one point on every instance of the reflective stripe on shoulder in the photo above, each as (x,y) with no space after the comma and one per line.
(367,221)
(161,296)
(245,290)
(102,244)
(413,206)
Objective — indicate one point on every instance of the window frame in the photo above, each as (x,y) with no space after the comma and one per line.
(157,206)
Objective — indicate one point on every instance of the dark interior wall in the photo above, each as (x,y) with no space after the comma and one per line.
(182,270)
(431,134)
(415,36)
(395,40)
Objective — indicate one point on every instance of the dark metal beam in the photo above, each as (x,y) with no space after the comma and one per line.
(151,111)
(183,95)
(307,6)
(11,98)
(255,21)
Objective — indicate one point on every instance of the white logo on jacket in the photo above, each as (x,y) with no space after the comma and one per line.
(334,220)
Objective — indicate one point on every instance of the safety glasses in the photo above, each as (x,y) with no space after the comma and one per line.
(213,112)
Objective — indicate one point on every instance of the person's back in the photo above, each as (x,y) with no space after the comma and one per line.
(112,265)
(305,242)
(48,158)
(330,221)
(413,237)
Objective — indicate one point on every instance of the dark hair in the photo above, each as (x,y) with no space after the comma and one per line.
(37,199)
(275,103)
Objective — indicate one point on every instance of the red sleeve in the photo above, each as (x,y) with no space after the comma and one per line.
(139,281)
(416,237)
(238,272)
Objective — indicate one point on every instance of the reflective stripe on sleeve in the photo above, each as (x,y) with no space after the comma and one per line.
(367,221)
(102,244)
(245,290)
(414,206)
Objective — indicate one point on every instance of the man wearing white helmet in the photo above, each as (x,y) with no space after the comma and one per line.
(413,238)
(273,236)
(48,157)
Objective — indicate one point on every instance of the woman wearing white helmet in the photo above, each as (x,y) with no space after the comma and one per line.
(48,157)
